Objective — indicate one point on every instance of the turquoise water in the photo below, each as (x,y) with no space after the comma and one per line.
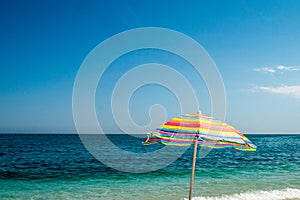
(59,167)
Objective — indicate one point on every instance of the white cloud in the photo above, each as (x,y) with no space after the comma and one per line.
(279,68)
(265,69)
(290,69)
(284,90)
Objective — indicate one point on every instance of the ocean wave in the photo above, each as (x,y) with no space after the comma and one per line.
(284,194)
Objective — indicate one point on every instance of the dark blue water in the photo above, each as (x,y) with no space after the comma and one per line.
(43,166)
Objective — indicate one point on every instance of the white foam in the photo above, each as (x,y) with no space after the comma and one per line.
(285,194)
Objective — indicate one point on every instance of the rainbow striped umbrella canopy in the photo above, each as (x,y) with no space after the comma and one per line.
(202,130)
(210,132)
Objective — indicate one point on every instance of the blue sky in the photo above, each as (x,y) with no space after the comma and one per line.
(255,45)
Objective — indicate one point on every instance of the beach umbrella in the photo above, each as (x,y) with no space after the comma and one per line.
(200,130)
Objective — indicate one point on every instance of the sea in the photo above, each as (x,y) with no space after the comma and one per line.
(58,166)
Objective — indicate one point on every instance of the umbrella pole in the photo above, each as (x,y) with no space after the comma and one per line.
(193,169)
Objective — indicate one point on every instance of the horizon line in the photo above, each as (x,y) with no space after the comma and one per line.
(137,133)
